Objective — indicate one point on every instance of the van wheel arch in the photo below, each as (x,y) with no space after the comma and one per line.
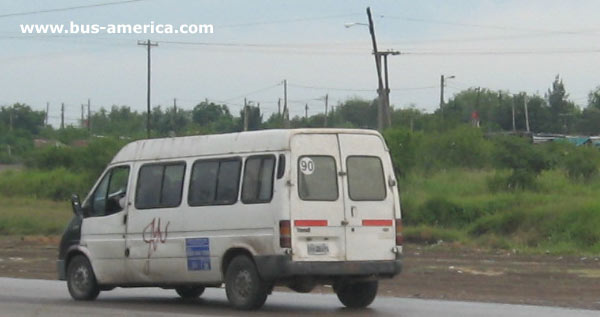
(73,254)
(230,255)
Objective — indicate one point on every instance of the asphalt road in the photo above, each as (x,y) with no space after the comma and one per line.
(23,297)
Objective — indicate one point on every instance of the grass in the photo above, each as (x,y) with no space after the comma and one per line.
(29,216)
(561,215)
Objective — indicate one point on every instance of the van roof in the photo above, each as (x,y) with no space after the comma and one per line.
(218,144)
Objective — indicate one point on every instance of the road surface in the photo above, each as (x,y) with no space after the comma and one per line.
(28,297)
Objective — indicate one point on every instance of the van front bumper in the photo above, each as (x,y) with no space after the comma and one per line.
(274,267)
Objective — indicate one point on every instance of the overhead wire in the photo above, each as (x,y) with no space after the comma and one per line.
(95,5)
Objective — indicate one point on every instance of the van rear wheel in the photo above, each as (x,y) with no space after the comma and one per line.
(189,292)
(244,288)
(357,294)
(81,280)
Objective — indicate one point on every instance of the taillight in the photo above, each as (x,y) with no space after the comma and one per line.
(399,236)
(285,234)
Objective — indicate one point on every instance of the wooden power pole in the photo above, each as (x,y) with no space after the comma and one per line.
(148,45)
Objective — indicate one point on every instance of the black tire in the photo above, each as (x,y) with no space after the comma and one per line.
(190,292)
(81,280)
(357,294)
(244,287)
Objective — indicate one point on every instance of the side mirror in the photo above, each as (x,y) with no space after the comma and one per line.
(76,204)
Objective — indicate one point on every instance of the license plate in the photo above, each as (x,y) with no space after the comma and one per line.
(318,248)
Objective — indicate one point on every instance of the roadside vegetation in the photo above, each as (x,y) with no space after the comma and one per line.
(458,183)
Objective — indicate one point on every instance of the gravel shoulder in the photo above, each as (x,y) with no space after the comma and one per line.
(443,271)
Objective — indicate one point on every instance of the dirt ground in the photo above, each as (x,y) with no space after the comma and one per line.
(439,272)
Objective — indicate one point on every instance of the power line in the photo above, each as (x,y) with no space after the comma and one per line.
(486,26)
(68,8)
(259,23)
(358,89)
(253,92)
(514,52)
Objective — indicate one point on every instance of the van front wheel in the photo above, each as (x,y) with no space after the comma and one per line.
(357,294)
(81,280)
(244,287)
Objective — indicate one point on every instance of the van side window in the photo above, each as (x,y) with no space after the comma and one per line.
(365,178)
(317,178)
(159,185)
(215,182)
(258,179)
(106,199)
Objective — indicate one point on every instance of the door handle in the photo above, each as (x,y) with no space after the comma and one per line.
(352,210)
(345,222)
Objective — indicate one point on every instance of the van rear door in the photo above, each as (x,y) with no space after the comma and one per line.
(317,204)
(368,200)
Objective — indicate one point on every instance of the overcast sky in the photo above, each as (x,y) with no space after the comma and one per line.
(509,45)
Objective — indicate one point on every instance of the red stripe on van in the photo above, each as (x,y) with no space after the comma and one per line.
(310,223)
(377,222)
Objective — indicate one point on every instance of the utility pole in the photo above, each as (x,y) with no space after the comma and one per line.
(526,112)
(148,45)
(10,118)
(82,117)
(62,116)
(245,115)
(279,107)
(306,112)
(89,121)
(513,116)
(442,93)
(175,105)
(286,110)
(326,101)
(387,109)
(380,109)
(442,86)
(47,110)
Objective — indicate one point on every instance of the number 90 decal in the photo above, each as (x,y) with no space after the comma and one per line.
(307,165)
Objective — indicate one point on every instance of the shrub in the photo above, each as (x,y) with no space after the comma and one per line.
(439,211)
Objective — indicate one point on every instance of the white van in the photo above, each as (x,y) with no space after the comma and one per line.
(250,210)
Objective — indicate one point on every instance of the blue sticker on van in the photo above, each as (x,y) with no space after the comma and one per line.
(197,251)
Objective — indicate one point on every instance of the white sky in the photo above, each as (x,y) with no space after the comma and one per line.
(482,43)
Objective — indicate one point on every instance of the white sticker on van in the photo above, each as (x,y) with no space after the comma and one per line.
(307,166)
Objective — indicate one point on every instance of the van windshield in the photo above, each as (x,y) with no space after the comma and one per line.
(365,178)
(317,178)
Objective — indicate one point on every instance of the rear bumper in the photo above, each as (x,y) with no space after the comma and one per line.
(274,267)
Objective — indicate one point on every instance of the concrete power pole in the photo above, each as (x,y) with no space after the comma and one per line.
(380,98)
(279,107)
(306,112)
(526,112)
(514,126)
(82,117)
(245,115)
(442,86)
(62,116)
(89,115)
(442,93)
(148,45)
(326,101)
(286,110)
(47,111)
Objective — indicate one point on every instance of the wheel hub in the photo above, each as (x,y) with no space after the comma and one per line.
(81,278)
(242,283)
